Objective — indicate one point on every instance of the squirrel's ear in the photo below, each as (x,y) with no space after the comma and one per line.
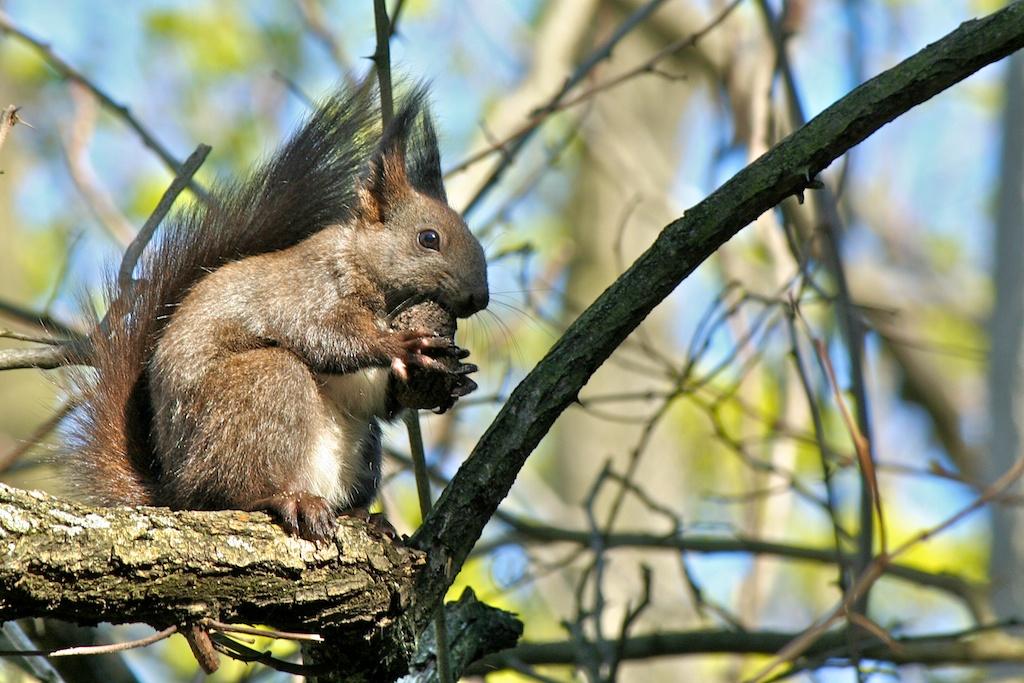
(406,159)
(385,182)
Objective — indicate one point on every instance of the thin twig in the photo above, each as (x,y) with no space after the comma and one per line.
(12,456)
(419,463)
(603,52)
(876,568)
(382,60)
(94,649)
(181,179)
(34,338)
(45,358)
(76,155)
(69,72)
(819,435)
(215,625)
(294,88)
(560,102)
(396,15)
(37,319)
(236,650)
(13,633)
(628,619)
(58,355)
(827,216)
(860,444)
(419,460)
(313,17)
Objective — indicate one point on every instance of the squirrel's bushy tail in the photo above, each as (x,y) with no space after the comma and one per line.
(308,184)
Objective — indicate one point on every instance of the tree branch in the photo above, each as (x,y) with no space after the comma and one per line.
(448,534)
(967,647)
(972,594)
(170,568)
(182,178)
(42,358)
(164,568)
(69,72)
(78,347)
(510,148)
(37,319)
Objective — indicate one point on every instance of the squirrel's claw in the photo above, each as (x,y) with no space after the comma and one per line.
(465,369)
(417,341)
(301,514)
(463,387)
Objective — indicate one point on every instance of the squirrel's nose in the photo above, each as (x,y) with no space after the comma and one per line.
(474,302)
(479,300)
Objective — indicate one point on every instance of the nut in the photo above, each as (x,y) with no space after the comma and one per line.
(430,388)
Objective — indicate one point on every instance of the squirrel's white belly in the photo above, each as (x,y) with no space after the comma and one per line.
(363,393)
(336,463)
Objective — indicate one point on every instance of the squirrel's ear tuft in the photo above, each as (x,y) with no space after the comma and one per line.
(424,165)
(385,181)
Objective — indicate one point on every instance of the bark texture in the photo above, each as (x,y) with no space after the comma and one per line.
(122,565)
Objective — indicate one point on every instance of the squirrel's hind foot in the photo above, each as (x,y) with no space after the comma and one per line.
(301,514)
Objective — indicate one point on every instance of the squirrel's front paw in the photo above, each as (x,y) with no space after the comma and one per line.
(301,514)
(416,349)
(434,376)
(437,389)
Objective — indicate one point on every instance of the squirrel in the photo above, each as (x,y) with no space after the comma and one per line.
(251,361)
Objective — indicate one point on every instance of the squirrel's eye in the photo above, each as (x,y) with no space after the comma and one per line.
(429,239)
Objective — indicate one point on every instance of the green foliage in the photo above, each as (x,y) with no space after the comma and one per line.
(213,40)
(22,65)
